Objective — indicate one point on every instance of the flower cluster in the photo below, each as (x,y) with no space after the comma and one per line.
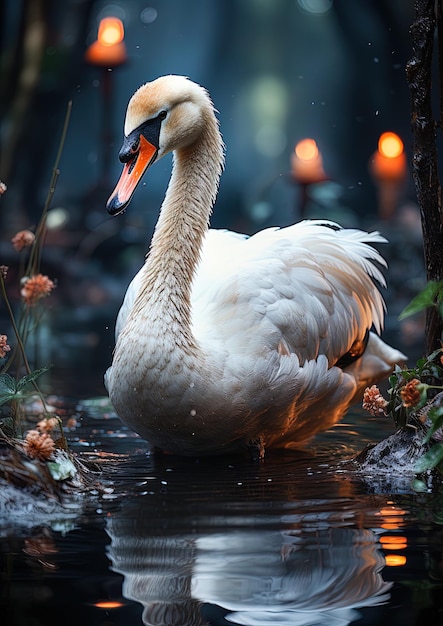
(39,445)
(415,396)
(373,401)
(410,394)
(23,239)
(48,424)
(36,287)
(4,347)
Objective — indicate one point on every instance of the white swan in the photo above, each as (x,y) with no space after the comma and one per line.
(226,342)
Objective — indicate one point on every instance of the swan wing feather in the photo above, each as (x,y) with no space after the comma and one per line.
(307,289)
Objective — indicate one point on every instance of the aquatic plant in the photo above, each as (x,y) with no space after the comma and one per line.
(18,381)
(415,396)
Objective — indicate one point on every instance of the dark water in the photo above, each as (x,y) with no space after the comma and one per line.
(295,540)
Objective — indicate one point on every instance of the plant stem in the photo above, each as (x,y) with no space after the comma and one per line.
(14,326)
(34,257)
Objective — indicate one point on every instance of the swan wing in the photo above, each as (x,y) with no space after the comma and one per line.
(307,289)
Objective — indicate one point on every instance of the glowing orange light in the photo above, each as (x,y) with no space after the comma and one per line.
(395,560)
(307,163)
(109,49)
(389,161)
(390,145)
(306,149)
(393,517)
(110,31)
(389,511)
(393,542)
(394,524)
(108,604)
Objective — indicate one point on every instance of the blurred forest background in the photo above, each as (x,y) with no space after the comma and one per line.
(277,70)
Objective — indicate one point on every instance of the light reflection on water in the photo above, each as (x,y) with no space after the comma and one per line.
(295,540)
(278,569)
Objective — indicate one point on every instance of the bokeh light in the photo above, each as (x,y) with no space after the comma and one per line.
(306,149)
(110,31)
(390,145)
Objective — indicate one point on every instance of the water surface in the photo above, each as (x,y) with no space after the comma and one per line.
(294,540)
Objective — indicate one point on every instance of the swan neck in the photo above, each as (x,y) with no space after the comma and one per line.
(183,222)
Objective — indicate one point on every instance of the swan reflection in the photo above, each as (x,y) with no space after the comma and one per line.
(279,573)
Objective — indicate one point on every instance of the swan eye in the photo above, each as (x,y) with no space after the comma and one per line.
(134,147)
(162,115)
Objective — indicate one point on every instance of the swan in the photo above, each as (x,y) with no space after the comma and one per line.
(229,343)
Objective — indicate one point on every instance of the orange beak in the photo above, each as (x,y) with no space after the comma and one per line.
(131,175)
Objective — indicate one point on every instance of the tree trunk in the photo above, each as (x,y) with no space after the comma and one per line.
(424,160)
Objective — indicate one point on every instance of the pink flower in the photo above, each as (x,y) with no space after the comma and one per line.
(4,347)
(36,287)
(3,188)
(373,401)
(47,424)
(410,394)
(23,239)
(39,445)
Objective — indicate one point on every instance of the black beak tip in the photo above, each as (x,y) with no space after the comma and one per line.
(114,206)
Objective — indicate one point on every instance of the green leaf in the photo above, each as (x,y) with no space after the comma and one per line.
(434,354)
(62,468)
(11,389)
(7,384)
(29,378)
(431,459)
(432,369)
(428,297)
(435,414)
(7,398)
(419,485)
(8,388)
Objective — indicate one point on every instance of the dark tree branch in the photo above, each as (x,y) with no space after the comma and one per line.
(424,160)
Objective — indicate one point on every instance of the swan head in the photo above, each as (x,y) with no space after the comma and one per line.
(166,114)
